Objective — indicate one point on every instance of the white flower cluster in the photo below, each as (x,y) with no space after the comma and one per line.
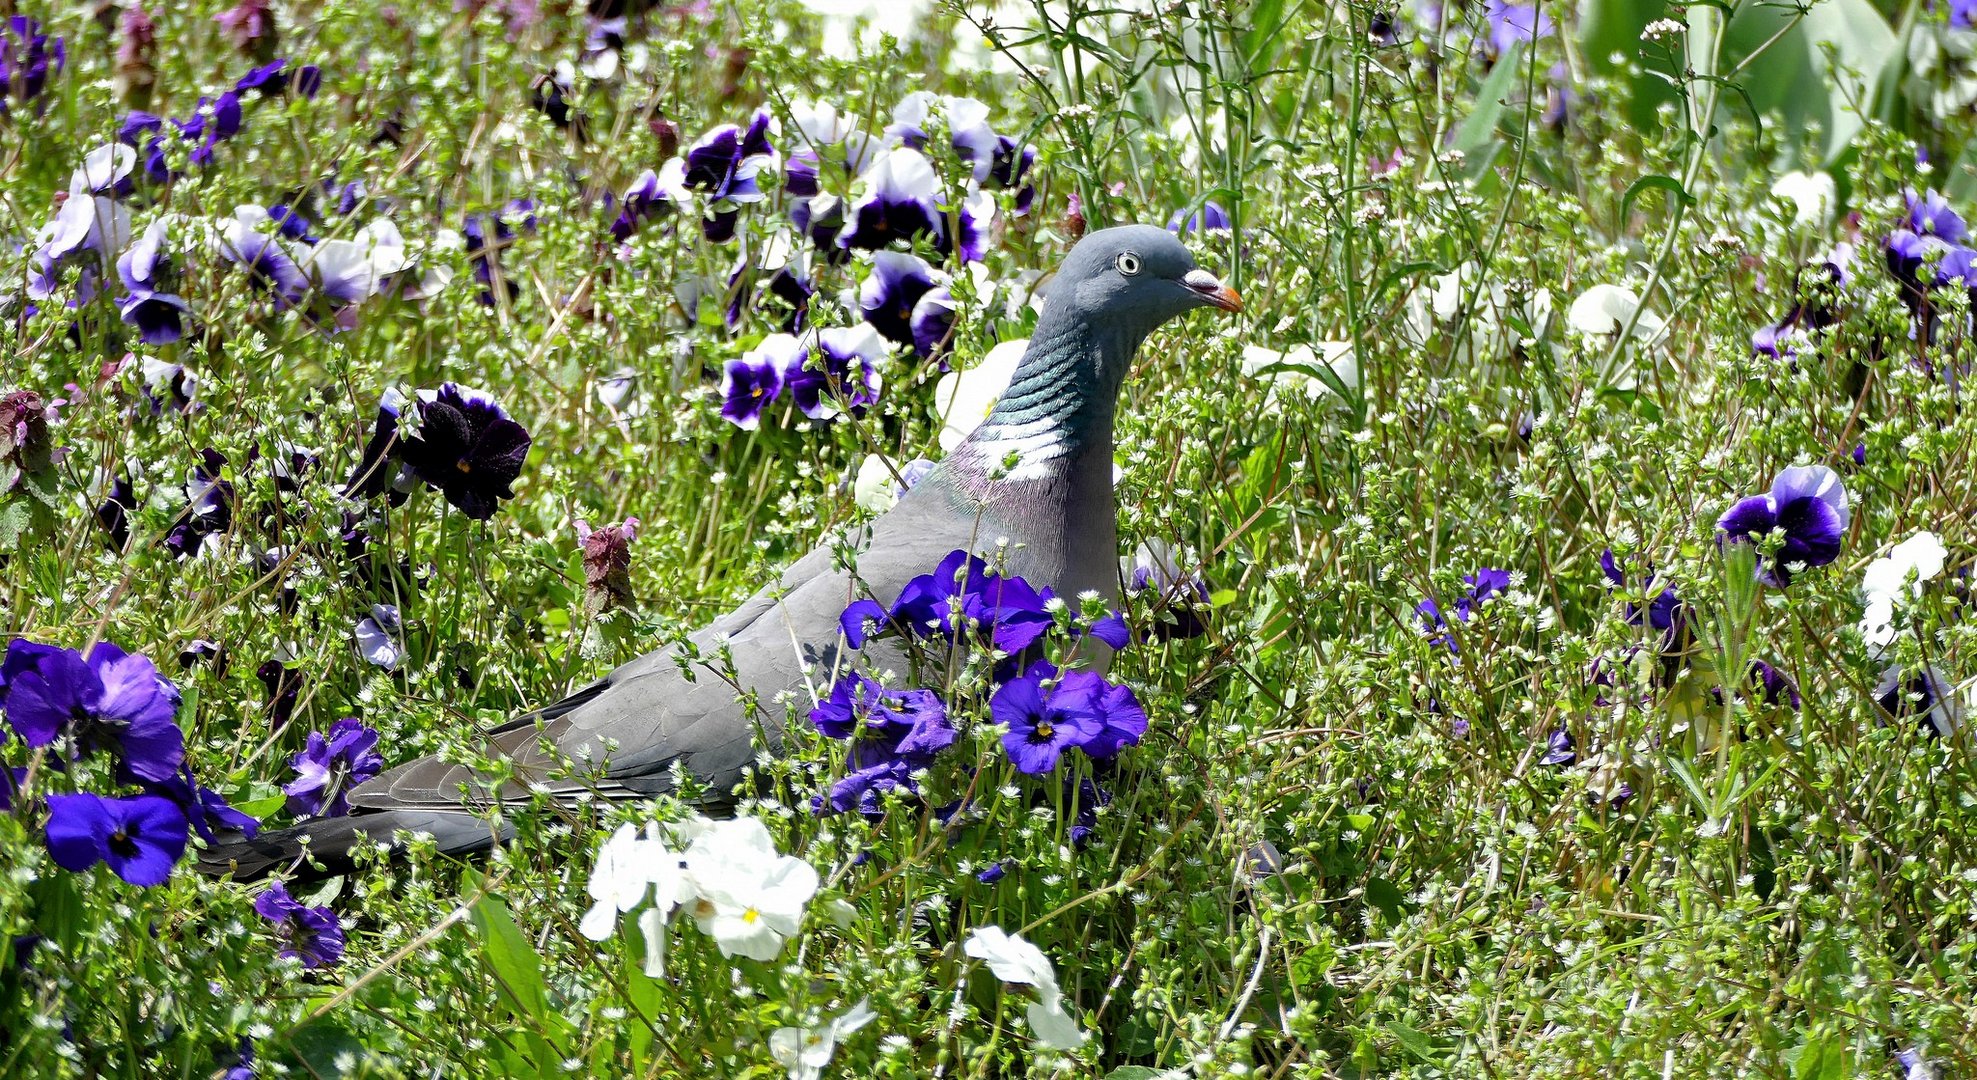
(1890,583)
(729,878)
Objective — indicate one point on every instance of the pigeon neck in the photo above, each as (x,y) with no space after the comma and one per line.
(1059,404)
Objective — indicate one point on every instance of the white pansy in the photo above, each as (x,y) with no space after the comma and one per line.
(1604,310)
(806,1051)
(103,168)
(748,898)
(1812,196)
(964,399)
(1015,960)
(1891,579)
(633,870)
(874,489)
(1297,369)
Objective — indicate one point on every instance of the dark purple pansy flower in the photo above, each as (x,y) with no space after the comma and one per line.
(901,203)
(330,766)
(114,512)
(487,234)
(648,196)
(1044,722)
(724,166)
(203,807)
(284,690)
(208,507)
(1210,218)
(1121,720)
(993,873)
(1808,504)
(842,374)
(750,382)
(861,621)
(149,274)
(904,725)
(1664,612)
(267,262)
(312,935)
(141,837)
(375,472)
(932,323)
(1559,749)
(266,79)
(1484,584)
(891,292)
(1179,594)
(109,701)
(467,447)
(863,788)
(28,59)
(1921,695)
(1773,686)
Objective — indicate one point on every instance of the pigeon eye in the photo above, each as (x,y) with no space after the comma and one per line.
(1129,263)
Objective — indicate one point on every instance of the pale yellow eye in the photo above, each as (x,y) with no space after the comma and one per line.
(1128,263)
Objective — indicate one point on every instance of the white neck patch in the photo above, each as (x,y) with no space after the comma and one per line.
(1035,443)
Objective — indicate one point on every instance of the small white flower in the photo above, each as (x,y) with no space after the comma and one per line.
(964,398)
(749,899)
(806,1051)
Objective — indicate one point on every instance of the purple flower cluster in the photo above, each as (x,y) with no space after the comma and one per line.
(823,373)
(214,120)
(28,59)
(1927,252)
(76,706)
(1046,710)
(1483,585)
(1808,505)
(1664,613)
(462,444)
(847,191)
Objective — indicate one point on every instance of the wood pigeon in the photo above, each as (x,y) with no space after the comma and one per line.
(1030,488)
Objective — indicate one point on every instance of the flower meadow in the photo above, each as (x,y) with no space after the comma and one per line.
(1545,642)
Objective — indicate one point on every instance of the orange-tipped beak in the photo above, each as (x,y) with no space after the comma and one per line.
(1210,288)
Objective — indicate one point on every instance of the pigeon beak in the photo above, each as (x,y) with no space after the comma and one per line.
(1212,291)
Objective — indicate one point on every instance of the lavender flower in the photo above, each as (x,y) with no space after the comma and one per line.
(141,837)
(1513,22)
(1808,505)
(1209,218)
(312,935)
(330,766)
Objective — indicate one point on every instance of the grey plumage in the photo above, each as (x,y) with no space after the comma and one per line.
(1036,473)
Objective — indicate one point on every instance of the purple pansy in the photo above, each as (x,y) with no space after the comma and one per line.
(312,935)
(891,292)
(141,837)
(377,637)
(843,372)
(110,700)
(149,274)
(85,233)
(1664,612)
(203,807)
(330,766)
(931,323)
(1484,584)
(1044,722)
(1772,686)
(904,725)
(1921,695)
(1121,720)
(648,196)
(467,447)
(208,508)
(724,166)
(1011,612)
(901,203)
(487,234)
(862,621)
(751,381)
(268,263)
(1209,218)
(1808,504)
(375,472)
(1559,749)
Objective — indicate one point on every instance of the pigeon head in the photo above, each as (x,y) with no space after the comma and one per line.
(1132,278)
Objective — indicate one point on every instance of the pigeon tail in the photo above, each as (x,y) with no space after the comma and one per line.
(327,847)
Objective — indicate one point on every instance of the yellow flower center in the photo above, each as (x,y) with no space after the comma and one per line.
(750,916)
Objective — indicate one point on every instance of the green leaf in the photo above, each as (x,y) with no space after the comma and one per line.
(1822,1057)
(1132,1072)
(517,969)
(1477,137)
(1385,896)
(323,1048)
(1655,183)
(1794,78)
(1414,1041)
